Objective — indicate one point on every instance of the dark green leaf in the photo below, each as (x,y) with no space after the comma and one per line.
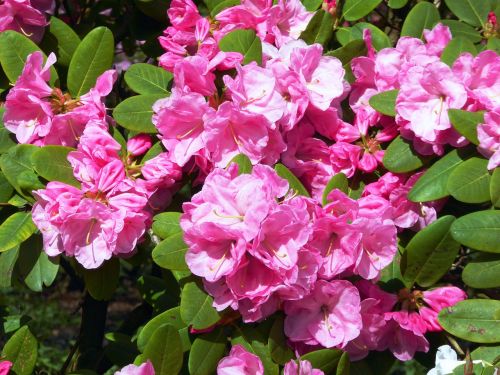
(339,181)
(469,182)
(430,253)
(432,184)
(166,224)
(15,230)
(385,102)
(17,164)
(245,42)
(422,16)
(206,352)
(479,230)
(397,4)
(348,34)
(486,353)
(463,30)
(351,50)
(6,137)
(483,271)
(136,112)
(319,29)
(456,47)
(280,351)
(294,183)
(102,282)
(171,252)
(343,368)
(22,351)
(476,320)
(495,187)
(6,189)
(165,350)
(224,4)
(196,307)
(324,359)
(61,39)
(400,156)
(471,11)
(466,123)
(7,263)
(244,163)
(312,5)
(148,79)
(93,56)
(51,162)
(355,9)
(494,45)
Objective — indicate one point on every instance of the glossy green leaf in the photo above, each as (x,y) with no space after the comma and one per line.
(280,351)
(22,350)
(469,182)
(466,123)
(471,11)
(385,102)
(324,359)
(16,165)
(486,353)
(476,320)
(135,113)
(312,5)
(93,56)
(351,50)
(171,253)
(348,34)
(60,38)
(14,49)
(495,187)
(463,30)
(494,45)
(7,263)
(196,307)
(339,181)
(343,368)
(293,182)
(166,224)
(15,230)
(422,16)
(103,281)
(164,350)
(51,162)
(319,29)
(148,79)
(245,42)
(430,253)
(6,189)
(482,272)
(432,184)
(206,352)
(456,47)
(479,230)
(244,163)
(355,9)
(216,6)
(397,4)
(400,156)
(154,151)
(171,317)
(7,139)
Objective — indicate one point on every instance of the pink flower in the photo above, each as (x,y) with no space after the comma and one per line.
(5,367)
(438,299)
(437,39)
(193,73)
(183,14)
(343,157)
(145,369)
(329,316)
(287,21)
(139,144)
(302,368)
(489,138)
(25,16)
(241,362)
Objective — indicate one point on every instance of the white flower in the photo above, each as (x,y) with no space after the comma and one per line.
(447,361)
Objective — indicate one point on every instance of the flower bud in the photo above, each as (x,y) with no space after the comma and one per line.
(139,144)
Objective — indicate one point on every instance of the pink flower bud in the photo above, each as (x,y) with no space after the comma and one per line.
(5,367)
(139,144)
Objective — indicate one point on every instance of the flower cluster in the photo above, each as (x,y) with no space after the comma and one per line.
(25,16)
(111,211)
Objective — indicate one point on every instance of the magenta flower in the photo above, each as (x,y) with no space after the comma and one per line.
(489,138)
(145,369)
(25,16)
(5,367)
(436,300)
(139,144)
(300,368)
(241,362)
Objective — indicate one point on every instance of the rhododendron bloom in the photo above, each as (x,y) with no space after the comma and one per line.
(489,138)
(241,362)
(25,16)
(5,367)
(139,144)
(145,369)
(329,316)
(300,368)
(437,299)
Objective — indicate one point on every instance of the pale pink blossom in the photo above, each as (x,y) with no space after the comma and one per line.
(489,138)
(240,361)
(144,369)
(300,368)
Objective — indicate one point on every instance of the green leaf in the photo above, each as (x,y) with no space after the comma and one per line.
(93,56)
(324,359)
(148,79)
(17,164)
(494,45)
(280,351)
(355,9)
(471,11)
(61,39)
(397,4)
(120,349)
(103,281)
(348,34)
(294,183)
(343,368)
(196,307)
(6,189)
(469,182)
(432,184)
(51,162)
(430,253)
(456,47)
(7,263)
(165,350)
(35,267)
(22,351)
(339,181)
(385,102)
(135,113)
(312,5)
(495,187)
(166,224)
(245,42)
(466,123)
(171,317)
(319,29)
(244,164)
(14,49)
(224,4)
(482,272)
(400,156)
(7,139)
(206,352)
(351,50)
(15,230)
(463,30)
(422,16)
(486,353)
(479,230)
(154,151)
(476,320)
(171,253)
